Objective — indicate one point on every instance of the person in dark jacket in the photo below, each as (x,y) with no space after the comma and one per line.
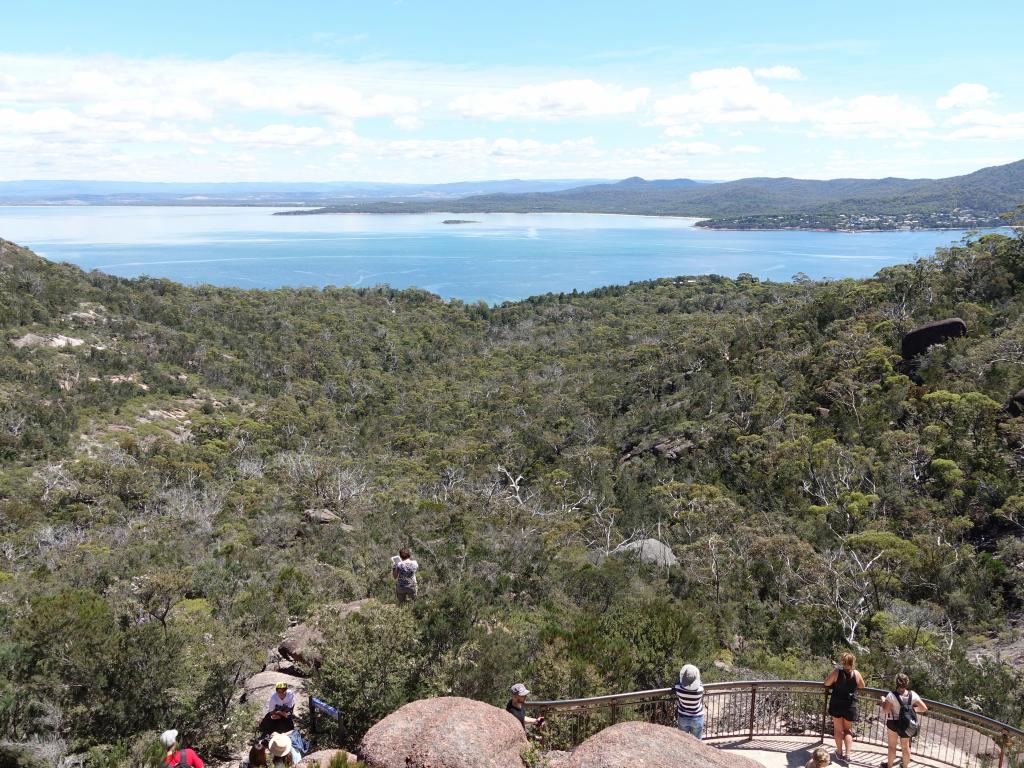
(844,681)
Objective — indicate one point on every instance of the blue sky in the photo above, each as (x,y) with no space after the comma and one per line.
(444,91)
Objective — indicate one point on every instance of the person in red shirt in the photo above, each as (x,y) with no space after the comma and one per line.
(177,756)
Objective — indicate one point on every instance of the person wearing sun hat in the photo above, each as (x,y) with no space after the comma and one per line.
(281,751)
(277,717)
(690,701)
(175,755)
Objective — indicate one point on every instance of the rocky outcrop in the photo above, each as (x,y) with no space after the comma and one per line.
(299,645)
(322,758)
(1015,405)
(57,342)
(918,340)
(447,732)
(628,745)
(650,551)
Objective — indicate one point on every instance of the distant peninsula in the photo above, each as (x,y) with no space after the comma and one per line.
(460,221)
(973,201)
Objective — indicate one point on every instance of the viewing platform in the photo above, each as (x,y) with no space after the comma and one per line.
(779,722)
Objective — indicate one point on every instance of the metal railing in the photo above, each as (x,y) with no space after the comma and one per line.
(748,709)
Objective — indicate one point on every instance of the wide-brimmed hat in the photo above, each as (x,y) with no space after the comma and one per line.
(689,678)
(280,745)
(169,738)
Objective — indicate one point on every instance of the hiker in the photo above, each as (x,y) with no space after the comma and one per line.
(277,717)
(281,751)
(844,681)
(175,754)
(403,570)
(900,707)
(690,701)
(516,707)
(819,758)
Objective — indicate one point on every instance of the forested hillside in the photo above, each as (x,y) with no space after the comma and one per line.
(975,199)
(161,445)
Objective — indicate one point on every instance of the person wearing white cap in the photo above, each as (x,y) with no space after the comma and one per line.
(281,751)
(516,707)
(175,756)
(690,701)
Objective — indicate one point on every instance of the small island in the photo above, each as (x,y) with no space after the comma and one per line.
(459,221)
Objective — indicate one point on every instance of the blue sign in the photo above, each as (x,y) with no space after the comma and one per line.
(324,707)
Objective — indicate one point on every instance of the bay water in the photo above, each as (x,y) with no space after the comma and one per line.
(495,258)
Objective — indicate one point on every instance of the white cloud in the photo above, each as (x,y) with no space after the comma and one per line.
(408,122)
(725,96)
(779,72)
(965,95)
(551,101)
(747,149)
(477,148)
(284,135)
(869,116)
(985,124)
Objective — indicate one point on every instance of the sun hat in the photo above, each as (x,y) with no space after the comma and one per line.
(169,738)
(280,745)
(689,678)
(520,690)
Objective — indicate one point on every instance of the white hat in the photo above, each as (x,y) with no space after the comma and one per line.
(520,690)
(169,738)
(689,678)
(280,745)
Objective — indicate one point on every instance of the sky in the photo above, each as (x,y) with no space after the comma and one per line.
(431,91)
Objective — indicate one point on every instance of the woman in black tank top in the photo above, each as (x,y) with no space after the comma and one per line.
(844,681)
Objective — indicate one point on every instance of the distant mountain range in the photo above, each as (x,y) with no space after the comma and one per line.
(974,200)
(71,192)
(959,202)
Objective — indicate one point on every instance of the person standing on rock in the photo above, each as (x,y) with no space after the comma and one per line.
(690,701)
(177,756)
(517,707)
(844,681)
(278,714)
(403,570)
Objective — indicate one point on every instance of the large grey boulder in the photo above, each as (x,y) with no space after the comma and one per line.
(628,745)
(922,337)
(447,732)
(651,551)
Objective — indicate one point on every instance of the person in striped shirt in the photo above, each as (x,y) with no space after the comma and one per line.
(690,701)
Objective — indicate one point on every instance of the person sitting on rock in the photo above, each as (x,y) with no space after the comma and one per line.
(281,751)
(177,756)
(403,569)
(258,754)
(516,707)
(277,717)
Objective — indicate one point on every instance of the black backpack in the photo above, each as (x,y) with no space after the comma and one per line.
(907,721)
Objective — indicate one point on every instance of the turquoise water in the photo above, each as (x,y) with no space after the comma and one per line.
(502,257)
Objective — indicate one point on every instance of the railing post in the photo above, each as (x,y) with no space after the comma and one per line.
(753,701)
(312,723)
(824,716)
(1003,743)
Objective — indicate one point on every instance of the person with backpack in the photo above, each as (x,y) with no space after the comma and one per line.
(844,681)
(403,570)
(176,755)
(902,708)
